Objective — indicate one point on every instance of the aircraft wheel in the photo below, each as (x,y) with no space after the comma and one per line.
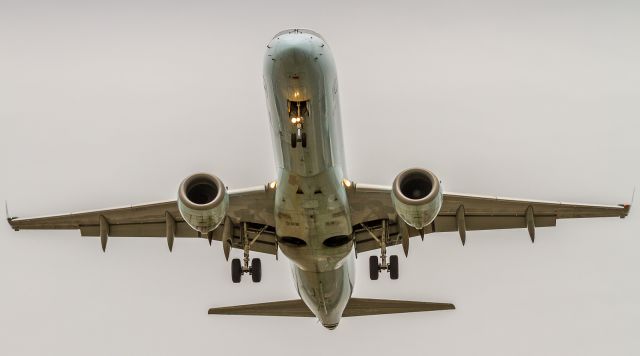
(304,139)
(256,270)
(236,270)
(393,266)
(294,140)
(374,271)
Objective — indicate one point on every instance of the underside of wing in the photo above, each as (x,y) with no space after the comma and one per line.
(484,212)
(250,208)
(464,212)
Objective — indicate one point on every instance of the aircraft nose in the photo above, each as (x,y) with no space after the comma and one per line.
(295,48)
(294,55)
(297,32)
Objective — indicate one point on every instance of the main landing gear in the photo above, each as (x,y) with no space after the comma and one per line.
(238,268)
(374,266)
(391,267)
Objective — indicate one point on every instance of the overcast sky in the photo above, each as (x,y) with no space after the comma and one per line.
(115,102)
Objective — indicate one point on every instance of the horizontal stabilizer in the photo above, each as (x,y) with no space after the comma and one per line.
(355,307)
(362,306)
(281,308)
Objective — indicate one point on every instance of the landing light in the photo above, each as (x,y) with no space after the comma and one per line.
(296,120)
(347,183)
(273,184)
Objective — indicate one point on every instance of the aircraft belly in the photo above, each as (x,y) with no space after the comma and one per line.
(313,209)
(326,293)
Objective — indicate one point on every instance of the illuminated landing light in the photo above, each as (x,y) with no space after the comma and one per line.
(273,185)
(347,183)
(296,120)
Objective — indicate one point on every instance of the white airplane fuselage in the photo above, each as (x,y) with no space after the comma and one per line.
(311,209)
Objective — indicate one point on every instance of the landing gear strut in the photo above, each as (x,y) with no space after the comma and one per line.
(239,268)
(297,115)
(392,265)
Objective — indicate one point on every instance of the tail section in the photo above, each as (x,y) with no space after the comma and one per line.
(355,307)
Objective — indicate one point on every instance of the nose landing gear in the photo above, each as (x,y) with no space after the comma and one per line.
(375,267)
(297,116)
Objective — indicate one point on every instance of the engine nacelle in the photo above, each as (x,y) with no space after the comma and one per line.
(203,202)
(417,197)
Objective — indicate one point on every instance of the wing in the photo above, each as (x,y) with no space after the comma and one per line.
(253,206)
(462,212)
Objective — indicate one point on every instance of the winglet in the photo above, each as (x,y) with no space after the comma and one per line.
(9,217)
(627,207)
(6,212)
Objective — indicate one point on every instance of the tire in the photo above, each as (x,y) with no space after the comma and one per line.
(236,270)
(393,266)
(294,140)
(304,139)
(256,270)
(374,272)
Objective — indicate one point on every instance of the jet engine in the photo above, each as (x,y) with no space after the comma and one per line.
(203,202)
(417,197)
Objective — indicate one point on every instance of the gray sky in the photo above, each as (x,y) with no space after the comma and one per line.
(112,103)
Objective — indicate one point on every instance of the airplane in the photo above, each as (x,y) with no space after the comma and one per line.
(318,218)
